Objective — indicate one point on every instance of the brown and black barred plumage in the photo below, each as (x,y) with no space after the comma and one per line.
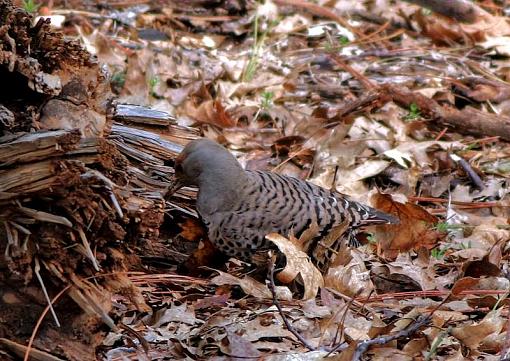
(241,207)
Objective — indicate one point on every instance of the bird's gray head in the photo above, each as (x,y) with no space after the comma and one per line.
(204,161)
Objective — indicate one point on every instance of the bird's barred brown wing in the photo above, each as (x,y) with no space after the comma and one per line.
(296,204)
(274,203)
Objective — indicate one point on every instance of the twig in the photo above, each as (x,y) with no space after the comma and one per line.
(431,293)
(291,329)
(44,216)
(88,250)
(319,11)
(367,84)
(469,170)
(37,268)
(19,350)
(39,321)
(363,346)
(458,203)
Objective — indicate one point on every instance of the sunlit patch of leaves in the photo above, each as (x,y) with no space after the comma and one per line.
(414,112)
(30,6)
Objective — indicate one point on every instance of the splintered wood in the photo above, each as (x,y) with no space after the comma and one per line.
(77,192)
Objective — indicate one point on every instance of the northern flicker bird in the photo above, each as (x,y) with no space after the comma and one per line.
(240,207)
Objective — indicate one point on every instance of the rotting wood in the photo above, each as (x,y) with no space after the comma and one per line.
(34,146)
(466,121)
(74,197)
(129,113)
(154,121)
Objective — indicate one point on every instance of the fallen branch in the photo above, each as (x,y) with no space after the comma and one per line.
(467,121)
(291,328)
(475,178)
(363,346)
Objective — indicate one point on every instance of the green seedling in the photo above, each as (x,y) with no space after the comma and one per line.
(414,112)
(30,6)
(267,100)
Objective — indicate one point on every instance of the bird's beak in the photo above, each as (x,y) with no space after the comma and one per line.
(174,186)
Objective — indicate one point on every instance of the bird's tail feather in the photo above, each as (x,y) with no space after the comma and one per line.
(374,216)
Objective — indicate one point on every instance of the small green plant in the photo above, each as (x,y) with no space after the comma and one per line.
(438,253)
(329,47)
(414,112)
(267,100)
(474,145)
(249,71)
(445,227)
(154,80)
(442,336)
(442,227)
(118,79)
(465,245)
(371,238)
(30,6)
(343,40)
(258,42)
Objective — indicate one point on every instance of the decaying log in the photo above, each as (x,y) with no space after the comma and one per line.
(34,146)
(155,121)
(134,142)
(77,192)
(466,121)
(36,177)
(130,113)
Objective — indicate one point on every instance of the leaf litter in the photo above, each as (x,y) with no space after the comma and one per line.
(389,104)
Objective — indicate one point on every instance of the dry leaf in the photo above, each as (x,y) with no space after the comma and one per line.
(352,279)
(472,335)
(298,263)
(211,112)
(251,286)
(416,228)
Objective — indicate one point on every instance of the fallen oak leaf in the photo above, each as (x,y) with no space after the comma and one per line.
(211,112)
(298,263)
(415,230)
(238,347)
(473,335)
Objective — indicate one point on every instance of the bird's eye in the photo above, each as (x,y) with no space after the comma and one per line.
(178,167)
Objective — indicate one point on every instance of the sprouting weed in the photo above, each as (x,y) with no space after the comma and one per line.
(414,112)
(267,100)
(30,6)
